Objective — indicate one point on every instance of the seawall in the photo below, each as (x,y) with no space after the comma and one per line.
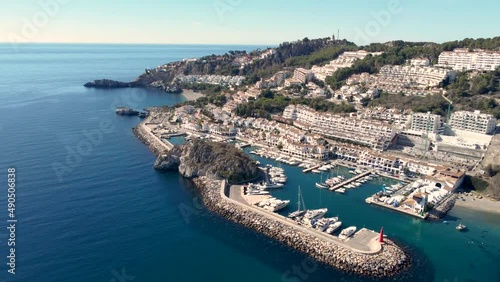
(155,145)
(390,261)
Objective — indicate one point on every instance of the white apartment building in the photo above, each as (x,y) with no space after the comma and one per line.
(462,59)
(425,121)
(371,133)
(413,75)
(302,75)
(473,122)
(421,62)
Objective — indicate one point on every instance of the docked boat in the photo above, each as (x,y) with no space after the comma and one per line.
(333,227)
(315,171)
(348,232)
(340,190)
(265,202)
(256,191)
(253,189)
(300,203)
(270,185)
(323,223)
(276,205)
(315,214)
(461,227)
(280,179)
(322,185)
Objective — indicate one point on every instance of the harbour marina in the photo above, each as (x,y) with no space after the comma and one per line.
(361,254)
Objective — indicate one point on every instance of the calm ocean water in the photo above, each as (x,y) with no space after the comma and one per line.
(104,214)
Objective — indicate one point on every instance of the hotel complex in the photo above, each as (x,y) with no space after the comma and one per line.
(463,59)
(473,122)
(425,122)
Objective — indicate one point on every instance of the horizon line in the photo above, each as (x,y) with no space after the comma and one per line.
(137,43)
(237,44)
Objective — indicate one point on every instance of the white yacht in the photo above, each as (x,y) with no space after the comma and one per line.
(323,223)
(340,190)
(276,205)
(333,227)
(270,185)
(315,214)
(321,185)
(346,233)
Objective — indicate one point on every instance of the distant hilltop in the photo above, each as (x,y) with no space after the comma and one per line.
(307,53)
(169,76)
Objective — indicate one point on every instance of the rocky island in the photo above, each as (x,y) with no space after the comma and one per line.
(206,158)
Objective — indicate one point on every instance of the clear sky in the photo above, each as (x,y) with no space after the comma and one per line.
(245,21)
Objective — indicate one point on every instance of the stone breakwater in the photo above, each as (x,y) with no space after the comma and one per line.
(440,211)
(390,261)
(153,143)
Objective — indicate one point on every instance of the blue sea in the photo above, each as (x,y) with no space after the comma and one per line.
(90,206)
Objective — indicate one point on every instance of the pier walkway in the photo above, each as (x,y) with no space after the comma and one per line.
(363,242)
(311,168)
(346,182)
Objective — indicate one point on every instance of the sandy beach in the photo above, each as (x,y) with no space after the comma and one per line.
(474,203)
(191,95)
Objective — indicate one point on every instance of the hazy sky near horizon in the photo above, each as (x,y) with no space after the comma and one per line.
(245,21)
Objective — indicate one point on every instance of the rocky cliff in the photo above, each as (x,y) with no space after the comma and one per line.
(206,158)
(258,63)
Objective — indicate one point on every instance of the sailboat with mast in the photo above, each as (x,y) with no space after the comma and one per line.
(300,203)
(321,184)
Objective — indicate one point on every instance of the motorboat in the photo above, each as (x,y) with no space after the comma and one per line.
(348,232)
(333,227)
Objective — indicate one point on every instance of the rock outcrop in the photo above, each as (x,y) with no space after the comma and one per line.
(214,160)
(201,158)
(107,83)
(169,161)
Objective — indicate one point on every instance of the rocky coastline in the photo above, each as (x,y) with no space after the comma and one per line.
(112,84)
